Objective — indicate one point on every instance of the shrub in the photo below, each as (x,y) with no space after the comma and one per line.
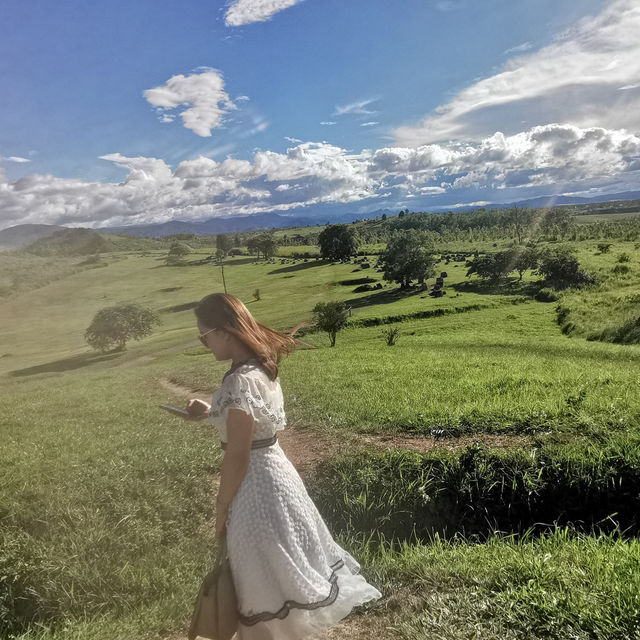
(561,270)
(546,295)
(620,269)
(604,247)
(624,257)
(480,490)
(626,333)
(391,335)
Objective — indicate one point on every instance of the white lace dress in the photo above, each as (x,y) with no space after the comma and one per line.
(292,579)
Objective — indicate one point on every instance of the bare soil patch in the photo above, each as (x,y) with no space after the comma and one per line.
(307,447)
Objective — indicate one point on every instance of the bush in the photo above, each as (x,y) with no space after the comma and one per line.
(561,270)
(626,333)
(546,295)
(391,335)
(624,257)
(481,490)
(112,327)
(620,269)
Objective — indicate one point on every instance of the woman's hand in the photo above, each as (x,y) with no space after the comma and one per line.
(197,409)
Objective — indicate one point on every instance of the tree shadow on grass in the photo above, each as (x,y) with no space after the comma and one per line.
(66,364)
(301,266)
(384,297)
(511,287)
(179,307)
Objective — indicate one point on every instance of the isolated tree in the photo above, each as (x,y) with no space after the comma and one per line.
(268,245)
(224,244)
(338,242)
(263,243)
(407,257)
(561,269)
(177,253)
(330,317)
(112,327)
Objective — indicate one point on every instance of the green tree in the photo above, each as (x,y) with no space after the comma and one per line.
(561,269)
(493,266)
(263,243)
(177,253)
(330,317)
(112,327)
(525,260)
(253,246)
(224,244)
(338,242)
(408,256)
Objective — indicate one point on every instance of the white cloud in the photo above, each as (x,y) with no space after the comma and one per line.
(369,124)
(294,140)
(558,157)
(16,159)
(246,11)
(328,123)
(358,108)
(574,80)
(521,48)
(202,92)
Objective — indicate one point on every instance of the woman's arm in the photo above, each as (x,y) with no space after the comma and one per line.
(236,456)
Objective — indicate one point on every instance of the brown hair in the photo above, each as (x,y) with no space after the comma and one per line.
(224,311)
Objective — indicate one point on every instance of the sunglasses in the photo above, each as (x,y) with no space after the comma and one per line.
(202,338)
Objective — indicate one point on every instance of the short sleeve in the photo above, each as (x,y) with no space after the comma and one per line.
(245,391)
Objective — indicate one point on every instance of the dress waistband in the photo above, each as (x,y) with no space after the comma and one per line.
(257,444)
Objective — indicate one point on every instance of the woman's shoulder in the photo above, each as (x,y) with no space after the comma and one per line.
(249,371)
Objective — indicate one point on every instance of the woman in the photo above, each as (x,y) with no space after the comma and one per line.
(292,579)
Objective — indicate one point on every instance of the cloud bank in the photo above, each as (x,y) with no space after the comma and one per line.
(315,172)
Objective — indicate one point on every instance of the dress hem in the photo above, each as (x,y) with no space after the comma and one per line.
(283,612)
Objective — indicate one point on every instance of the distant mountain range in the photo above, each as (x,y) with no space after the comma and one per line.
(556,201)
(251,222)
(24,234)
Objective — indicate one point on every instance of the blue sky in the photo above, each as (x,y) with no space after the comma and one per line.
(121,113)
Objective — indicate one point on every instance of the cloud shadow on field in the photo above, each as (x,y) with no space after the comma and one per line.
(66,364)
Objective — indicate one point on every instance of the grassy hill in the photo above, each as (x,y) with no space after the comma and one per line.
(106,501)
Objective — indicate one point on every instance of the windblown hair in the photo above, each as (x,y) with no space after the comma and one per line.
(223,311)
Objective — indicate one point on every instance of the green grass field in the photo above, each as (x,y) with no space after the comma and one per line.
(106,501)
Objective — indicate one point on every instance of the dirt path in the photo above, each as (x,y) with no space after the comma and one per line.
(307,447)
